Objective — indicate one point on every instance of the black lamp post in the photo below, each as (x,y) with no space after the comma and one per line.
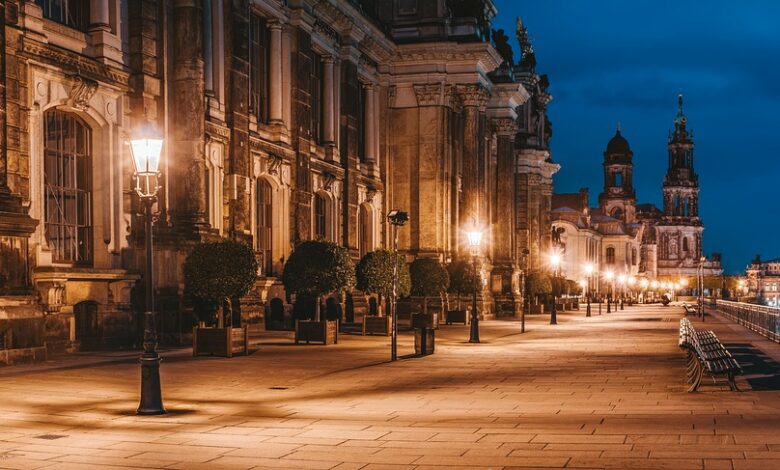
(146,150)
(475,240)
(524,254)
(610,277)
(397,219)
(701,286)
(589,271)
(555,262)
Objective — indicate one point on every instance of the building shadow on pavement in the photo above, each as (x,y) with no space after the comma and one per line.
(761,371)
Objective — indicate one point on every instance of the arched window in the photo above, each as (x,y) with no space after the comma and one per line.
(67,187)
(617,213)
(264,218)
(685,244)
(617,179)
(366,230)
(320,216)
(610,255)
(633,256)
(685,209)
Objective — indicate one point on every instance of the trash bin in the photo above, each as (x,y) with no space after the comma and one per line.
(424,341)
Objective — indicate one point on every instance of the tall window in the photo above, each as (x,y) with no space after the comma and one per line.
(67,186)
(316,98)
(258,68)
(73,13)
(685,244)
(320,219)
(610,255)
(265,225)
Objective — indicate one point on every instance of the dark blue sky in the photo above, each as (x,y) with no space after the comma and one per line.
(626,61)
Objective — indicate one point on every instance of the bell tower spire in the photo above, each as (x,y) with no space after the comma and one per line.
(618,199)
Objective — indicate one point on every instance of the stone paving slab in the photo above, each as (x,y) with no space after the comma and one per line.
(605,392)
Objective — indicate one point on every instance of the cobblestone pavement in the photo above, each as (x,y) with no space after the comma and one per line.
(600,392)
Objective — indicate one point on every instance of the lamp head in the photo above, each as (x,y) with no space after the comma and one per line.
(589,268)
(555,259)
(475,238)
(146,150)
(609,275)
(397,217)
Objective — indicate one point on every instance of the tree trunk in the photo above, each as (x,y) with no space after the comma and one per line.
(317,308)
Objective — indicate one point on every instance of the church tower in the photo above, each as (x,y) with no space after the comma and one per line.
(679,233)
(681,184)
(618,199)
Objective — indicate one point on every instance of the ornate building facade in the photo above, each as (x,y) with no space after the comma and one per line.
(640,239)
(283,121)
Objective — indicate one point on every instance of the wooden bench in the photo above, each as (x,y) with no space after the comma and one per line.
(706,354)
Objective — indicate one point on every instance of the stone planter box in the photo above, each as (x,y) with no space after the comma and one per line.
(22,355)
(325,332)
(424,341)
(457,316)
(422,320)
(376,325)
(223,342)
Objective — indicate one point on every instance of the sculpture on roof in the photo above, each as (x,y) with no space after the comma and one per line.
(501,41)
(527,57)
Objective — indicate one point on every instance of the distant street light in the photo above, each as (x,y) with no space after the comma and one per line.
(610,277)
(397,219)
(475,240)
(589,271)
(146,149)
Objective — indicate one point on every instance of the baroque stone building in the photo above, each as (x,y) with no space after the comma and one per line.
(283,121)
(640,239)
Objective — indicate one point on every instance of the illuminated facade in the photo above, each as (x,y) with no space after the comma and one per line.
(283,121)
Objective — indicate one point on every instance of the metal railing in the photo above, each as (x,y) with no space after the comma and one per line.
(759,318)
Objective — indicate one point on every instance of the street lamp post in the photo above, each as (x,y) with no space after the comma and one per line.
(622,282)
(475,239)
(589,272)
(397,219)
(610,277)
(701,286)
(146,150)
(524,258)
(555,261)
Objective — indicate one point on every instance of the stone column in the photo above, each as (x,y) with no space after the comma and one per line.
(187,110)
(327,99)
(473,97)
(368,125)
(99,15)
(275,109)
(3,106)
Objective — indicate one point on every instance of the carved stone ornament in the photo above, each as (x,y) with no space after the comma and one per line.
(274,163)
(504,126)
(430,94)
(327,183)
(473,95)
(81,92)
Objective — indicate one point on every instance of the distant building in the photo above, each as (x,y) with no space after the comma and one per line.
(638,239)
(763,281)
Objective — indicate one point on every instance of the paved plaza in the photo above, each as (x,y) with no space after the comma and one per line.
(600,392)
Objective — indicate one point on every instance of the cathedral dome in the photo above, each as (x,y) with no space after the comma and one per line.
(618,144)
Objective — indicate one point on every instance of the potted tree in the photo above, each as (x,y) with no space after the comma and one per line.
(537,283)
(215,274)
(317,268)
(429,278)
(461,274)
(374,275)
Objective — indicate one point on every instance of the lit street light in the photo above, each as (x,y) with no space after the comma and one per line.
(397,219)
(475,240)
(610,277)
(146,150)
(589,271)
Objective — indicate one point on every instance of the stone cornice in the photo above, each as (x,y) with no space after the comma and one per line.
(473,95)
(77,64)
(352,25)
(448,53)
(505,98)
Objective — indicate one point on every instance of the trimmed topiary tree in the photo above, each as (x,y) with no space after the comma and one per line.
(429,278)
(220,271)
(462,279)
(374,274)
(537,283)
(318,268)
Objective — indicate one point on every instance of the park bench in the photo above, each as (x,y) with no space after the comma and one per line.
(690,309)
(706,354)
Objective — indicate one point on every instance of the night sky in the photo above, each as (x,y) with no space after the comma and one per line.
(624,61)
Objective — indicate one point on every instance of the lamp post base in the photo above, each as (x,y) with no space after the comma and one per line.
(151,394)
(474,331)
